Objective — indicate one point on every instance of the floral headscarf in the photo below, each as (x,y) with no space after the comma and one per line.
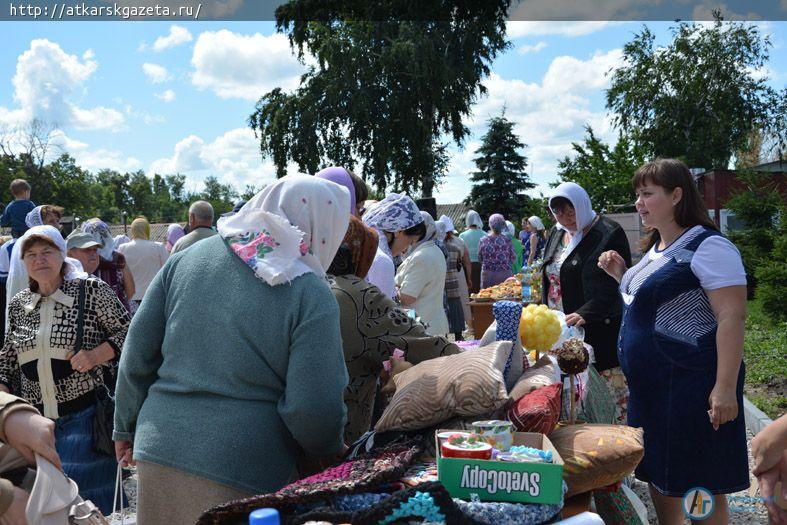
(497,222)
(174,232)
(100,232)
(394,213)
(292,227)
(342,178)
(34,217)
(356,254)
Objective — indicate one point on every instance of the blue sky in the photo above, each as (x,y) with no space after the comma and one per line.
(166,98)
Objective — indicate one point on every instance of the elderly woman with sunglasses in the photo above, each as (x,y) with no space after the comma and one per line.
(573,283)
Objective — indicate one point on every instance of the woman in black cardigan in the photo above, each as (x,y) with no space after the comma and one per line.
(574,284)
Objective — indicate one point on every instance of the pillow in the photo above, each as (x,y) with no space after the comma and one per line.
(596,456)
(538,411)
(432,391)
(544,373)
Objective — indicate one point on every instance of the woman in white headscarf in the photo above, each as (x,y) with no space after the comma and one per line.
(399,224)
(536,240)
(573,282)
(518,250)
(420,280)
(112,269)
(471,237)
(46,214)
(234,361)
(456,291)
(38,359)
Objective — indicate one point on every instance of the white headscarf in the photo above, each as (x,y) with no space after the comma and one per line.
(536,223)
(449,224)
(34,217)
(510,228)
(431,231)
(442,230)
(17,275)
(292,227)
(100,232)
(473,219)
(120,240)
(578,198)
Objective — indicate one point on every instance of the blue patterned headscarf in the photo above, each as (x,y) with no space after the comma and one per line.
(394,213)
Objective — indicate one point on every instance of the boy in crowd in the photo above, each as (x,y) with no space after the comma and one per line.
(14,214)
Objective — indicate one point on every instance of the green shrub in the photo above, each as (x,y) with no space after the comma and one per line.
(755,247)
(772,289)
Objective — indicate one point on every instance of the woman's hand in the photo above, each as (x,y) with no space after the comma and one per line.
(574,320)
(87,360)
(612,263)
(124,453)
(723,405)
(767,481)
(767,446)
(30,433)
(15,514)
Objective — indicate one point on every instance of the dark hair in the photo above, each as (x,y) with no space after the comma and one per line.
(19,186)
(419,230)
(559,203)
(40,239)
(690,211)
(361,190)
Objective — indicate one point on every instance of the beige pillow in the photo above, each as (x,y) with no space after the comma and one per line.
(543,373)
(595,456)
(465,384)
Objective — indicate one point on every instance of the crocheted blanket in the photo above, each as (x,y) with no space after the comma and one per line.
(363,474)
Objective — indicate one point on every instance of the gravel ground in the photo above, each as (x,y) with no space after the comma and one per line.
(743,509)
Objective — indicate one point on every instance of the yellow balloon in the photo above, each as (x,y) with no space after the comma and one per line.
(539,328)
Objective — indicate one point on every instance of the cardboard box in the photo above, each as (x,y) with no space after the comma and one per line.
(502,481)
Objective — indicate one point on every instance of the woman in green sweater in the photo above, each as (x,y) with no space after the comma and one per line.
(234,364)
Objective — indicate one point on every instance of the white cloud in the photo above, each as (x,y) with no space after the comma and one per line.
(244,66)
(48,85)
(531,48)
(167,96)
(233,157)
(518,29)
(177,35)
(155,73)
(548,116)
(94,159)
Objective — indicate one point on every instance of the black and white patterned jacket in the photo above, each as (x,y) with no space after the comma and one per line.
(43,330)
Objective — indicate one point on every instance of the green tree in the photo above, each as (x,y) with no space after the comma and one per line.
(501,179)
(604,172)
(220,196)
(699,97)
(141,195)
(391,79)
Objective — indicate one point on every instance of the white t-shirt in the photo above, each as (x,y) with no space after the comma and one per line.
(144,259)
(716,262)
(422,275)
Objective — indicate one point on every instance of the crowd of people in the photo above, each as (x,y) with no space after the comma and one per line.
(243,354)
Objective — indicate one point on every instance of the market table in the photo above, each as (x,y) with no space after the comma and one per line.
(482,315)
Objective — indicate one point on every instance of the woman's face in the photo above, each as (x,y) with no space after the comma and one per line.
(43,262)
(656,205)
(401,242)
(566,215)
(526,226)
(87,256)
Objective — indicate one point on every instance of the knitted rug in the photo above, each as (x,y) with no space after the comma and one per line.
(363,474)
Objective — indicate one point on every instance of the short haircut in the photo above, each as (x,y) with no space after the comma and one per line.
(19,187)
(51,209)
(202,211)
(361,189)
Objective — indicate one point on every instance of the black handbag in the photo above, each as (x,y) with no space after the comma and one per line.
(104,416)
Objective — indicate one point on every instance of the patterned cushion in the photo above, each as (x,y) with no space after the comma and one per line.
(466,384)
(538,411)
(543,373)
(597,455)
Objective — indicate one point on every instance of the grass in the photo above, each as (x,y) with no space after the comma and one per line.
(765,350)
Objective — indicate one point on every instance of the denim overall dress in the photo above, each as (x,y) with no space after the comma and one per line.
(667,350)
